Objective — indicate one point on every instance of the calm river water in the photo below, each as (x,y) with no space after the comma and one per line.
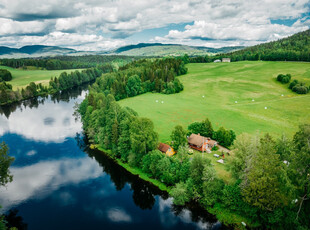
(60,184)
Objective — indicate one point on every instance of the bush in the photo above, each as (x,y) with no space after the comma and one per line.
(293,83)
(300,89)
(284,79)
(5,75)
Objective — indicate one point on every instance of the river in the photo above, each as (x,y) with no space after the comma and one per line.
(58,183)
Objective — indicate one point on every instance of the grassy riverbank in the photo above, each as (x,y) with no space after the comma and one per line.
(223,92)
(135,171)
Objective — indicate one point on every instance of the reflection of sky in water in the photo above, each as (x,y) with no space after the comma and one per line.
(43,178)
(51,122)
(58,186)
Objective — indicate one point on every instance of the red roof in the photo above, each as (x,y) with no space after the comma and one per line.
(163,147)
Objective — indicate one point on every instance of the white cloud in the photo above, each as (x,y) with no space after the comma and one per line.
(118,215)
(243,32)
(109,23)
(10,27)
(31,153)
(82,42)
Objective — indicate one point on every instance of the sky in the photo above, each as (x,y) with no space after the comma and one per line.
(99,25)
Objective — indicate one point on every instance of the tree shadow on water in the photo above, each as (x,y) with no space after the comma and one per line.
(12,219)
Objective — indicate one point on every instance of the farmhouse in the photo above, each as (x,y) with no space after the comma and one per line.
(225,59)
(201,143)
(167,149)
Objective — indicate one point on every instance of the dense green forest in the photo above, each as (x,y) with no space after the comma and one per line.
(271,186)
(293,48)
(64,81)
(66,62)
(143,76)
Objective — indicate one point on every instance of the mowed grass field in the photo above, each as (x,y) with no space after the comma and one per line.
(21,78)
(223,92)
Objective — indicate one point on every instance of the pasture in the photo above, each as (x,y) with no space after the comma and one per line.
(243,96)
(21,78)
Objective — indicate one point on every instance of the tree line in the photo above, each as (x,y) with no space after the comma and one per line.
(64,81)
(66,62)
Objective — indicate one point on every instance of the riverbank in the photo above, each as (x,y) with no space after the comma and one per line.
(229,219)
(133,170)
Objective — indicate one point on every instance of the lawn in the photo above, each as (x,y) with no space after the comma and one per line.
(21,78)
(224,93)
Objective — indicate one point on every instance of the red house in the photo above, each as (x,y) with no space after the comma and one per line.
(201,143)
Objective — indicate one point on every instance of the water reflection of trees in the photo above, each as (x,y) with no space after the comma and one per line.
(13,220)
(65,95)
(144,193)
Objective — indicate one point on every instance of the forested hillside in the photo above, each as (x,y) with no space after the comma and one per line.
(293,48)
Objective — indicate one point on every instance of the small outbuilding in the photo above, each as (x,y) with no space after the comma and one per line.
(167,149)
(217,60)
(225,59)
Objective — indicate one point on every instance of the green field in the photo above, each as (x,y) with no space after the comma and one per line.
(222,84)
(21,78)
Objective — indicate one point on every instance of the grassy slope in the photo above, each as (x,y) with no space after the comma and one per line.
(22,78)
(224,83)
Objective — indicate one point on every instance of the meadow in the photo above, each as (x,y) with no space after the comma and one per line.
(243,96)
(21,78)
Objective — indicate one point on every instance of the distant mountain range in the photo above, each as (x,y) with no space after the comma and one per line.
(141,49)
(35,51)
(159,49)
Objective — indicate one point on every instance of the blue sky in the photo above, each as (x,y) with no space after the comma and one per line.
(105,25)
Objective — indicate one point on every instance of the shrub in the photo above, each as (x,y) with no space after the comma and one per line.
(284,79)
(293,83)
(300,89)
